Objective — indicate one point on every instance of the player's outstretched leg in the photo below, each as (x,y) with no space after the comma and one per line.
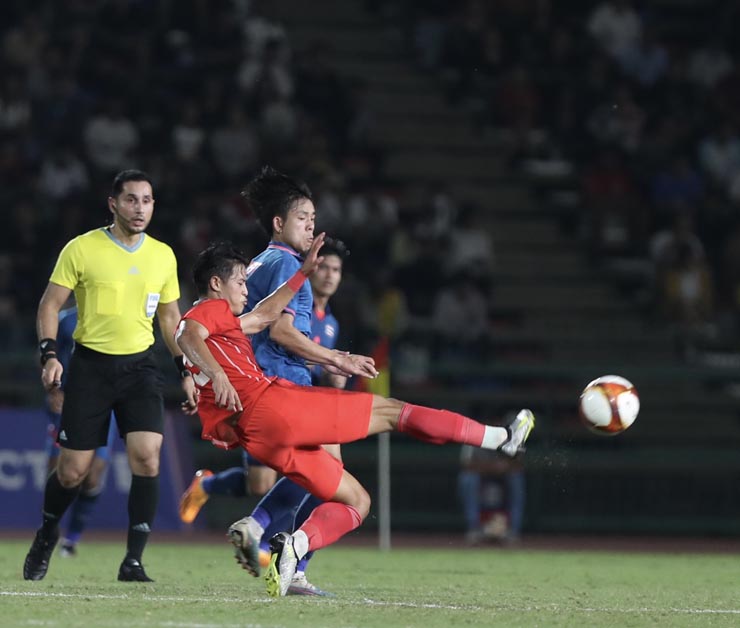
(283,563)
(442,426)
(245,536)
(519,430)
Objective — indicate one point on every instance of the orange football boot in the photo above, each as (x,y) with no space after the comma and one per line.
(193,499)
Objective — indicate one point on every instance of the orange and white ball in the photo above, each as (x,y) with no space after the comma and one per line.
(609,405)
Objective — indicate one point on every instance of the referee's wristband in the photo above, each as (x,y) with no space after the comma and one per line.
(47,350)
(296,281)
(179,361)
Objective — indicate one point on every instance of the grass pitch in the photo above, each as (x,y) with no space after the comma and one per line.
(200,586)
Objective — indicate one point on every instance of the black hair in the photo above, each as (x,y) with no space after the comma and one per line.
(332,246)
(128,175)
(217,259)
(271,194)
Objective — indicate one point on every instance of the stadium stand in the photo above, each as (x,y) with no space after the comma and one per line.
(419,146)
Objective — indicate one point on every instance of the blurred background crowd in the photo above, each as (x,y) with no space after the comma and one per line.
(617,122)
(630,107)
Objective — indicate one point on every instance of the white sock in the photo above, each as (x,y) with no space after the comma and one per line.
(254,527)
(300,543)
(494,437)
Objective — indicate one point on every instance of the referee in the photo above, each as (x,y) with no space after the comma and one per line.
(121,278)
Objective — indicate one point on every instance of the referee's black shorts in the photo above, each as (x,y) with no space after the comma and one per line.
(130,385)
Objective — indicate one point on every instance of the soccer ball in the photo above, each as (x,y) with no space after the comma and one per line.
(609,405)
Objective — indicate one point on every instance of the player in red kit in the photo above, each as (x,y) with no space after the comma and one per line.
(285,425)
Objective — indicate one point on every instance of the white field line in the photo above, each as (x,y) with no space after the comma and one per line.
(555,608)
(148,622)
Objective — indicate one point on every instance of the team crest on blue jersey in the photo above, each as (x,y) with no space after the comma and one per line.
(329,331)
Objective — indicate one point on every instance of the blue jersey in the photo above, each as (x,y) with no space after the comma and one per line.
(324,331)
(274,266)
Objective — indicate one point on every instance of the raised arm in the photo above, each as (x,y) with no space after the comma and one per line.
(191,339)
(271,307)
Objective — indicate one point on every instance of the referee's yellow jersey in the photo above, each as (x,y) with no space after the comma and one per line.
(117,289)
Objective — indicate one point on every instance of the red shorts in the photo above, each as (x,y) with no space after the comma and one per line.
(289,423)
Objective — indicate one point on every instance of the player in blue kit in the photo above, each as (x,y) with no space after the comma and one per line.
(95,481)
(324,325)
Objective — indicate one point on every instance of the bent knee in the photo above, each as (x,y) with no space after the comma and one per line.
(70,476)
(361,502)
(335,450)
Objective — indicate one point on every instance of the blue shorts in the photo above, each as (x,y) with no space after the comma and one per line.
(51,446)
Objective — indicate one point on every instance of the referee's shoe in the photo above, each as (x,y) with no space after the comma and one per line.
(37,560)
(132,570)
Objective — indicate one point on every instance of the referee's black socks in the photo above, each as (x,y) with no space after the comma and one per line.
(56,501)
(142,506)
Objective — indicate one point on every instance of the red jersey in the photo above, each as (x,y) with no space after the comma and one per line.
(233,351)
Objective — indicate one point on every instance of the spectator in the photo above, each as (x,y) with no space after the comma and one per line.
(323,95)
(470,245)
(235,146)
(677,187)
(518,100)
(278,123)
(616,27)
(709,64)
(648,61)
(23,44)
(719,154)
(618,121)
(188,135)
(429,33)
(266,75)
(614,221)
(381,309)
(111,138)
(492,493)
(15,106)
(684,282)
(63,174)
(463,48)
(461,300)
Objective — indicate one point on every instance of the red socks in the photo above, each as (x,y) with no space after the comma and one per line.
(328,523)
(439,426)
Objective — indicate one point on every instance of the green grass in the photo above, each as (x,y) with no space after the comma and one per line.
(200,586)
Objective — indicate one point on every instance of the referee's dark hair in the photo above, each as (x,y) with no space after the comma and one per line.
(128,175)
(271,194)
(216,260)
